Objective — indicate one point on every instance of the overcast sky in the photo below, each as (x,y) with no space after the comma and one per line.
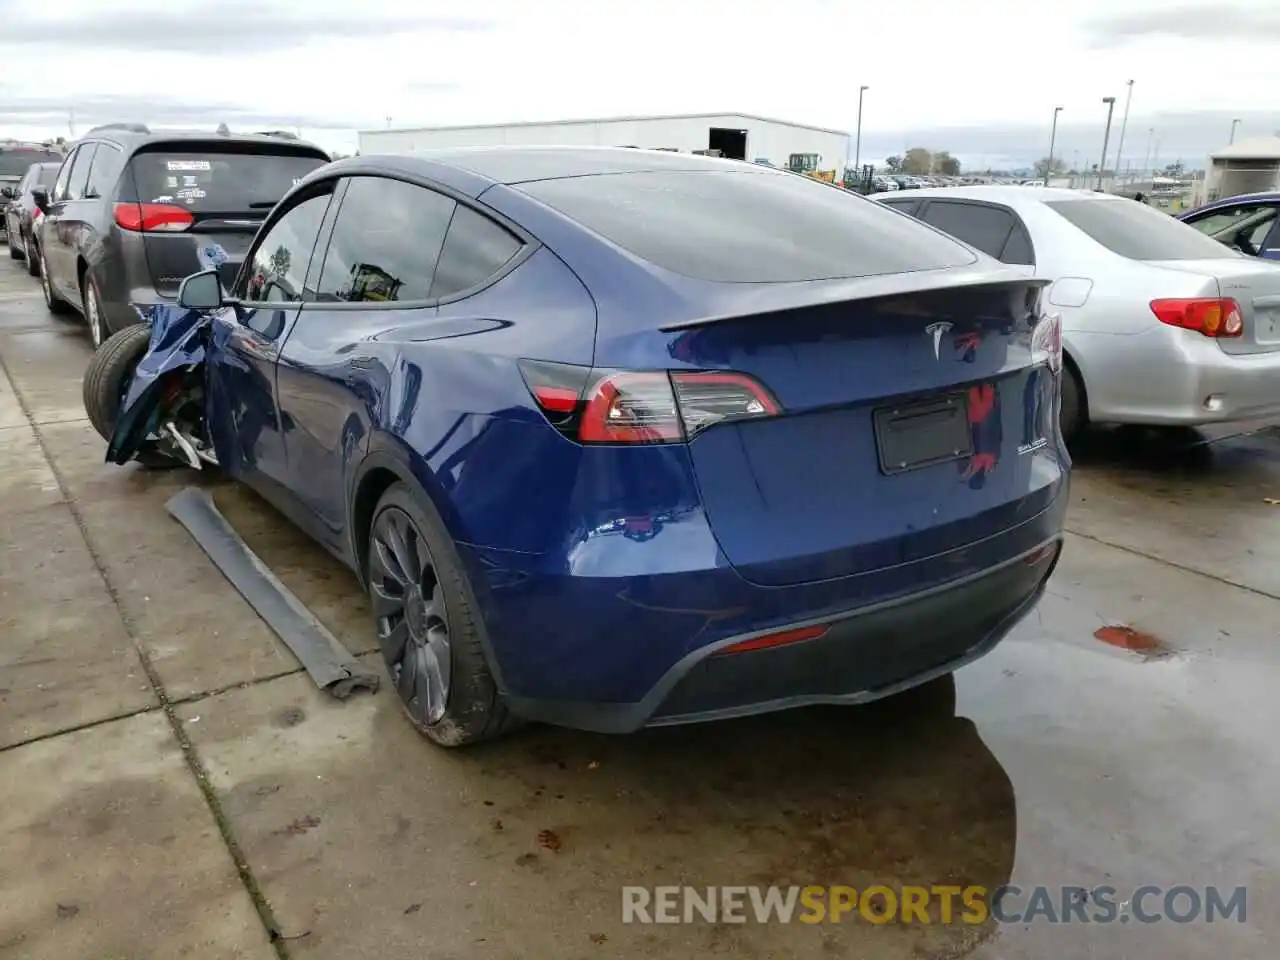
(979,77)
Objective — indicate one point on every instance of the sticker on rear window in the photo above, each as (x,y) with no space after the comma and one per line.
(187,165)
(191,194)
(171,182)
(189,180)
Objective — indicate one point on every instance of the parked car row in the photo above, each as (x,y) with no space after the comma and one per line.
(1162,323)
(559,409)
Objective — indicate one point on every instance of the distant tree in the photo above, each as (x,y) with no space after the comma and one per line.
(918,160)
(894,164)
(280,261)
(945,164)
(1042,167)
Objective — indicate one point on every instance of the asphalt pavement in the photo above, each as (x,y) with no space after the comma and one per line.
(175,787)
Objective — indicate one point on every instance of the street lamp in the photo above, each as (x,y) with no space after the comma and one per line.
(1234,123)
(1123,126)
(1106,138)
(1053,136)
(857,150)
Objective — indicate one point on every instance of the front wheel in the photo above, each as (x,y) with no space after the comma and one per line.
(425,620)
(108,376)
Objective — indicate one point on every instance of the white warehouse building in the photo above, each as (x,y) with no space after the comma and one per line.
(740,136)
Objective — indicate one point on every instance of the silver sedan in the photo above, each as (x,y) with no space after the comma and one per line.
(1160,324)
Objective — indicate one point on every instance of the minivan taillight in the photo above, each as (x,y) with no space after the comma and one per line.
(643,406)
(1213,317)
(153,217)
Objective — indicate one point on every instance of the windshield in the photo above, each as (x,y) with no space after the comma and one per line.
(1138,232)
(213,180)
(744,227)
(14,161)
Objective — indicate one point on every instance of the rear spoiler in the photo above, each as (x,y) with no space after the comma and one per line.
(761,299)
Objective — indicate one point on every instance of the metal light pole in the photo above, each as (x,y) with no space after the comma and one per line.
(1053,136)
(1124,123)
(1106,138)
(1234,123)
(857,150)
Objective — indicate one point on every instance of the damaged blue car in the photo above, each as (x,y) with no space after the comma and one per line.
(617,438)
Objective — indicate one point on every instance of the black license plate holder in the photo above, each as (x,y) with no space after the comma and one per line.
(910,436)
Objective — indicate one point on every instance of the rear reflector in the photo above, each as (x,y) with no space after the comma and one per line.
(153,217)
(1211,317)
(779,639)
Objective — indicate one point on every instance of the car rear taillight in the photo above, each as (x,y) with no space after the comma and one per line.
(1211,317)
(1046,342)
(634,406)
(153,217)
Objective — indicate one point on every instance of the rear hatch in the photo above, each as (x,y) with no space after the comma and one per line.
(910,426)
(860,391)
(187,196)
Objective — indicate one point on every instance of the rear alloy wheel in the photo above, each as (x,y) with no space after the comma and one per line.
(51,300)
(93,311)
(33,258)
(15,253)
(426,627)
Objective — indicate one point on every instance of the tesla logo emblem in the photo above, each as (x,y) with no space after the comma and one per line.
(936,330)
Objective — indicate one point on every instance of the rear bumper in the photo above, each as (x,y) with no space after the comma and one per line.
(1179,378)
(865,654)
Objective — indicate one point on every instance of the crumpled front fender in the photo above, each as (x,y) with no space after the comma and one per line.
(179,338)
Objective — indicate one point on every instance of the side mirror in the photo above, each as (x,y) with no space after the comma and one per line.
(6,193)
(201,291)
(41,197)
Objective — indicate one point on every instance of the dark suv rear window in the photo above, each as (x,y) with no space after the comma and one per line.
(14,161)
(213,180)
(743,227)
(1139,232)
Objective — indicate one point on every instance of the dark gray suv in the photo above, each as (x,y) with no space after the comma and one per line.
(133,212)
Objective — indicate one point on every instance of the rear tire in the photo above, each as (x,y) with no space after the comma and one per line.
(1073,418)
(31,256)
(55,303)
(427,627)
(14,252)
(93,317)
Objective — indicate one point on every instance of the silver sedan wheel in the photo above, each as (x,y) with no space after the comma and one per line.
(93,313)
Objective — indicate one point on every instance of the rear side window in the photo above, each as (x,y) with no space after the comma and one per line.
(385,243)
(748,226)
(80,171)
(1017,248)
(218,181)
(985,228)
(47,174)
(15,160)
(108,162)
(64,175)
(474,250)
(1139,232)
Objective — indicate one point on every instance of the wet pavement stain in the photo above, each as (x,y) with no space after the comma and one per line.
(1146,645)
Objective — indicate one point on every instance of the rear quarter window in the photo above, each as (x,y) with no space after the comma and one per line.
(1138,232)
(212,180)
(748,226)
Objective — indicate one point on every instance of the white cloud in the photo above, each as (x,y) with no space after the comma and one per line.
(983,63)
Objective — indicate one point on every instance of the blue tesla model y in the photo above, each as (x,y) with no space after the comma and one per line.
(618,438)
